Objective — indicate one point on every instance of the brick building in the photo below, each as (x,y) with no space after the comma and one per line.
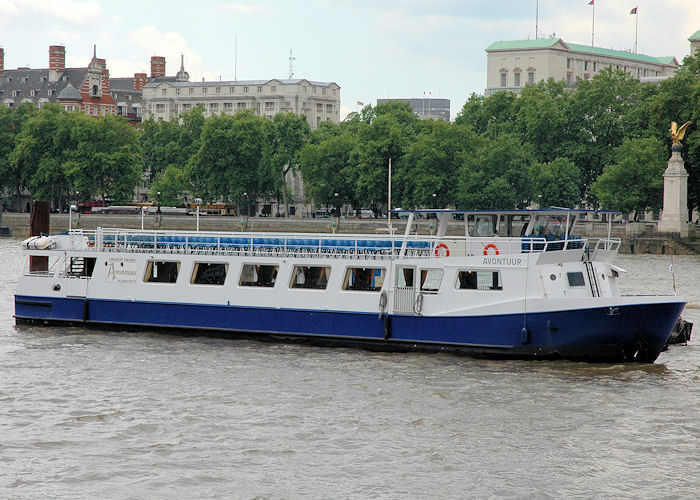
(85,89)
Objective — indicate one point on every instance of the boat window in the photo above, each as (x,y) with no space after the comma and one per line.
(481,225)
(208,273)
(404,277)
(479,280)
(81,266)
(258,275)
(158,271)
(315,277)
(430,280)
(364,279)
(513,225)
(576,279)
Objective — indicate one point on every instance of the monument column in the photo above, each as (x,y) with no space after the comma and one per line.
(674,218)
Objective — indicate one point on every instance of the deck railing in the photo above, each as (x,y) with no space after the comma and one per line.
(313,244)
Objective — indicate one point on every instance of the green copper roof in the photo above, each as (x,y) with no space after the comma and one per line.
(618,53)
(523,44)
(694,36)
(549,42)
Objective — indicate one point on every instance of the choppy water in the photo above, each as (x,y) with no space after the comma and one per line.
(91,414)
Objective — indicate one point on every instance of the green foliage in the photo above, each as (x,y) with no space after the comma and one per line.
(495,176)
(326,167)
(556,184)
(11,122)
(635,181)
(229,159)
(287,134)
(40,153)
(171,184)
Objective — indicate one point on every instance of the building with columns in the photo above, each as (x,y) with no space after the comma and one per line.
(513,64)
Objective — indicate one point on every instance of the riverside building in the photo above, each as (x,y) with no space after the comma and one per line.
(318,101)
(426,107)
(513,64)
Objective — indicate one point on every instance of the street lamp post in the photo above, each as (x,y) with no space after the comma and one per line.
(198,202)
(337,208)
(158,201)
(70,217)
(143,210)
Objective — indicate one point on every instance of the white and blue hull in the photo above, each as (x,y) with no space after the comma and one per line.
(542,304)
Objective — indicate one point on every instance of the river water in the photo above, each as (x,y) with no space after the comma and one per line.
(93,414)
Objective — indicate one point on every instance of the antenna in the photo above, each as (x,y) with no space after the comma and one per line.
(291,64)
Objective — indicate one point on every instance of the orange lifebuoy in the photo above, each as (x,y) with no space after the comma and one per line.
(438,247)
(490,245)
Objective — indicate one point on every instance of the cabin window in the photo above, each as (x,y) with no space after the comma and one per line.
(314,277)
(576,279)
(481,225)
(82,266)
(208,273)
(364,279)
(258,275)
(404,277)
(158,271)
(430,280)
(479,280)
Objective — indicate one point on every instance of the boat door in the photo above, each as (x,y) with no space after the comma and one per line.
(405,290)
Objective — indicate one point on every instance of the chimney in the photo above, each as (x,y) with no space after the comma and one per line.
(57,62)
(57,58)
(157,66)
(140,80)
(2,60)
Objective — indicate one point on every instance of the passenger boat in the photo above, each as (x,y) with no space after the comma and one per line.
(512,284)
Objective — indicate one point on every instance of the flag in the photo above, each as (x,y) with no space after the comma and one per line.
(592,2)
(670,268)
(633,11)
(360,103)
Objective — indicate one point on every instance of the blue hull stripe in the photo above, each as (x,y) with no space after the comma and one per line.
(646,323)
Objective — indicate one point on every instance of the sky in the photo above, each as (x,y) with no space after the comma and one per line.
(371,48)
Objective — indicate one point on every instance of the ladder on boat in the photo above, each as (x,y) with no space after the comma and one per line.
(592,280)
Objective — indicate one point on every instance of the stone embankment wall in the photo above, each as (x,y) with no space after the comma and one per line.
(636,237)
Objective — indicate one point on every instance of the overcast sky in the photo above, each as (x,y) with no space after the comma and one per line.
(371,48)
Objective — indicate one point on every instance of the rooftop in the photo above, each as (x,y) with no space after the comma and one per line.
(588,49)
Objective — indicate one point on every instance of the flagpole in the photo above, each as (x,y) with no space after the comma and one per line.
(636,25)
(593,24)
(537,18)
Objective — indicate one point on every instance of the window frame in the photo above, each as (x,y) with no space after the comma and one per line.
(274,281)
(476,278)
(374,289)
(195,269)
(293,285)
(148,271)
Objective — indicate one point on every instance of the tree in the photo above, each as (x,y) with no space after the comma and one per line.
(105,159)
(391,129)
(556,184)
(228,162)
(11,122)
(495,175)
(635,181)
(431,164)
(160,143)
(324,167)
(599,115)
(490,116)
(171,185)
(287,135)
(40,153)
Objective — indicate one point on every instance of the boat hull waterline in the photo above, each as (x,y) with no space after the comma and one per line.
(627,333)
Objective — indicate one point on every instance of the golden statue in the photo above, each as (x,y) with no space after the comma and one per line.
(677,132)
